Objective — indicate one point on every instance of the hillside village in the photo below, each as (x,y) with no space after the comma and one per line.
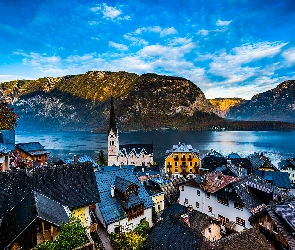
(191,202)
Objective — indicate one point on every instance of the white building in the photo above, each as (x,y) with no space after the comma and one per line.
(227,198)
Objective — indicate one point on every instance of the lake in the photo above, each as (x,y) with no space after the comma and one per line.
(275,144)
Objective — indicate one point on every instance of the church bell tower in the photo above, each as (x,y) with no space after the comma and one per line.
(113,138)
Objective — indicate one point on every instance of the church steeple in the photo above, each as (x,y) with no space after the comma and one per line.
(113,125)
(113,138)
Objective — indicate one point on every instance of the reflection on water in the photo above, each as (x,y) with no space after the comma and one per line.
(64,144)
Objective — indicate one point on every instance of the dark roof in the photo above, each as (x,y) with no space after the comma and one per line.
(174,209)
(250,239)
(283,217)
(136,148)
(248,188)
(233,156)
(244,163)
(211,162)
(32,148)
(33,206)
(111,208)
(70,185)
(173,234)
(133,200)
(199,221)
(122,184)
(279,179)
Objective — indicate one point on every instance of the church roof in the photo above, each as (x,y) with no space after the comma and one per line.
(137,149)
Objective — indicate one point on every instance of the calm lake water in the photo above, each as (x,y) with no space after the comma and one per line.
(275,144)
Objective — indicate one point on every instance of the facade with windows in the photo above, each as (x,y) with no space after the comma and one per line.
(227,198)
(182,161)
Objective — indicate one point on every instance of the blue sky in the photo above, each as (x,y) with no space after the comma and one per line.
(228,48)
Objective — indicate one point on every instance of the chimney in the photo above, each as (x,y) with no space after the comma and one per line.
(142,170)
(76,158)
(112,191)
(185,219)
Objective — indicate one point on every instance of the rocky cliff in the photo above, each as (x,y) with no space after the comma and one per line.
(277,104)
(223,105)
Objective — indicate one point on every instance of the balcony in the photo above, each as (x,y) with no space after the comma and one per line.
(189,158)
(183,158)
(176,158)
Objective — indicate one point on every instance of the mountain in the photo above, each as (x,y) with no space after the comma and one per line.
(277,104)
(223,105)
(142,102)
(82,102)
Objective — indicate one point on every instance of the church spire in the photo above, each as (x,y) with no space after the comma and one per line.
(113,125)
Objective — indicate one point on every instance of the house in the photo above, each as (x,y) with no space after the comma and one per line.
(144,173)
(81,159)
(212,160)
(33,220)
(32,152)
(128,154)
(7,144)
(182,160)
(229,199)
(261,162)
(277,223)
(277,178)
(288,166)
(156,194)
(124,202)
(73,186)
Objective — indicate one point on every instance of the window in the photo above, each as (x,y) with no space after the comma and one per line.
(208,195)
(176,170)
(159,207)
(176,164)
(117,229)
(198,192)
(190,170)
(223,201)
(190,164)
(238,205)
(240,221)
(197,204)
(209,209)
(182,188)
(185,201)
(209,230)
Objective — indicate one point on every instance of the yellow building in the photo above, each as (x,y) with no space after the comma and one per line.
(182,160)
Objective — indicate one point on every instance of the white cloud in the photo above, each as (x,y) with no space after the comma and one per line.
(156,29)
(203,32)
(222,23)
(118,45)
(109,12)
(135,40)
(289,55)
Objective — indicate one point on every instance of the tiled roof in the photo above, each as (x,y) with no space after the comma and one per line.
(32,148)
(136,148)
(182,148)
(174,209)
(279,179)
(215,181)
(250,239)
(110,207)
(70,185)
(174,234)
(211,162)
(122,184)
(199,221)
(81,159)
(233,156)
(245,188)
(283,215)
(132,201)
(7,141)
(33,206)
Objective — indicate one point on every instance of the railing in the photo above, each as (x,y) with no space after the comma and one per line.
(183,158)
(176,158)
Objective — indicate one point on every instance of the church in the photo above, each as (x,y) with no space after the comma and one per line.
(129,154)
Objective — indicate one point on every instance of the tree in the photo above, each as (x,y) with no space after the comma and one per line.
(8,118)
(133,239)
(73,235)
(101,159)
